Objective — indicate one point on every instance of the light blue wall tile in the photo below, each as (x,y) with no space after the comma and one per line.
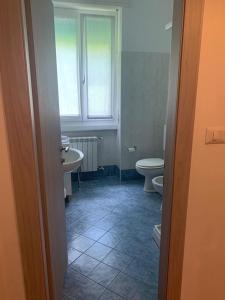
(143,107)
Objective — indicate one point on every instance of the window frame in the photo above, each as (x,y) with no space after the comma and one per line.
(70,123)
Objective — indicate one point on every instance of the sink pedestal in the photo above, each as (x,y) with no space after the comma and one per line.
(68,184)
(72,160)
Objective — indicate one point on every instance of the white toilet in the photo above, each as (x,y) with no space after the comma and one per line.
(150,168)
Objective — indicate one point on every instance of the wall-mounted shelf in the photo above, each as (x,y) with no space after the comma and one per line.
(168,26)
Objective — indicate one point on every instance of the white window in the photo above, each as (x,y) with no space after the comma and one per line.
(87,65)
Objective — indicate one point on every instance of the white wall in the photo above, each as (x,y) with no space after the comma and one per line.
(144,26)
(143,23)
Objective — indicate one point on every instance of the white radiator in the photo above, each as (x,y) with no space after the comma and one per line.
(89,146)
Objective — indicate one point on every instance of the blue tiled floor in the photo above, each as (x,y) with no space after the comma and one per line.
(111,251)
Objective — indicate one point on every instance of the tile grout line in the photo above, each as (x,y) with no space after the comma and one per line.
(105,288)
(102,261)
(114,247)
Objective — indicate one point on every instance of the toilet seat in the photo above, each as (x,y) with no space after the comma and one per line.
(150,163)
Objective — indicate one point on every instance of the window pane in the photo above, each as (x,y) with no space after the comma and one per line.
(67,65)
(99,66)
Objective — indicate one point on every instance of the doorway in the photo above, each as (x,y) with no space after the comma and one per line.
(113,91)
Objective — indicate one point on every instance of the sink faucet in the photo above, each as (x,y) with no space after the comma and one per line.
(66,149)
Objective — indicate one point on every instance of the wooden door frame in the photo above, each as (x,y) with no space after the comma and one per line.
(18,104)
(184,67)
(18,108)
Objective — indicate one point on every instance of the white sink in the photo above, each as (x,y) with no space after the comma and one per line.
(73,160)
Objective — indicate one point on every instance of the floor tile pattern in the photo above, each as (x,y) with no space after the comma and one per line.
(112,255)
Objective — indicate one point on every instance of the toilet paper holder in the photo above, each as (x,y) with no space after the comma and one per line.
(132,149)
